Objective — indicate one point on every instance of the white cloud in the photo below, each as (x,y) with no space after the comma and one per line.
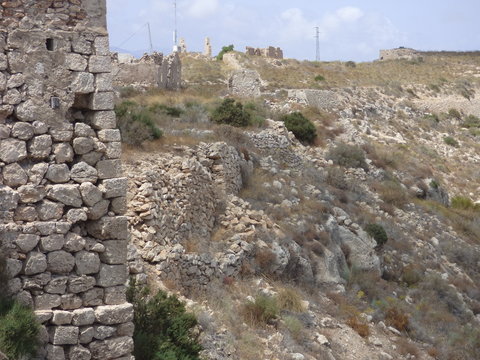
(202,8)
(349,13)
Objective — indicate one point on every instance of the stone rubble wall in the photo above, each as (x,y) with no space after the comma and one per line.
(62,190)
(151,71)
(400,53)
(245,83)
(269,52)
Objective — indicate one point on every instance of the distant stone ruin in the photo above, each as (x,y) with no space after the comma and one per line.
(62,190)
(399,53)
(207,49)
(269,52)
(151,71)
(182,47)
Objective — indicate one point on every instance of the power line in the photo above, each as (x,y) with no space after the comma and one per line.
(135,33)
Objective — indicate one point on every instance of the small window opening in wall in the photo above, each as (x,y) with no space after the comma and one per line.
(50,43)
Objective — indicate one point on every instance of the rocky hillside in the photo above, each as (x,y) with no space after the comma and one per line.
(364,245)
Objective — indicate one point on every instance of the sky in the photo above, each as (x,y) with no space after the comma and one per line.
(349,29)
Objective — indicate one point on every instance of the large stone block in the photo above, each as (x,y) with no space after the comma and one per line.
(40,146)
(103,120)
(64,335)
(87,263)
(14,175)
(115,252)
(79,353)
(36,263)
(82,172)
(90,193)
(109,135)
(52,242)
(115,228)
(114,187)
(66,194)
(12,150)
(102,101)
(109,169)
(111,348)
(80,284)
(114,314)
(61,317)
(27,242)
(83,83)
(75,62)
(49,210)
(100,64)
(83,145)
(103,82)
(60,262)
(112,275)
(83,317)
(31,193)
(47,301)
(101,45)
(8,198)
(116,295)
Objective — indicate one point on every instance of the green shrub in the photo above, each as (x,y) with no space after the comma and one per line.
(224,50)
(162,327)
(348,156)
(136,123)
(319,78)
(169,110)
(454,114)
(261,311)
(471,121)
(19,330)
(257,113)
(463,203)
(450,141)
(351,64)
(232,113)
(377,232)
(300,126)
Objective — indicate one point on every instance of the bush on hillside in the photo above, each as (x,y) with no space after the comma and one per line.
(451,141)
(231,112)
(300,126)
(163,328)
(261,311)
(377,232)
(224,50)
(348,156)
(136,123)
(319,78)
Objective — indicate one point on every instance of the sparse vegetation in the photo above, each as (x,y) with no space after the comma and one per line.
(451,141)
(348,155)
(261,311)
(377,232)
(225,49)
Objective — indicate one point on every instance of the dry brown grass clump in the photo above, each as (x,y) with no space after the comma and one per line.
(289,299)
(359,326)
(397,319)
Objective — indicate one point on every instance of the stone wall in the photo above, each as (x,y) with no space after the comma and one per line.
(62,190)
(400,53)
(270,52)
(151,71)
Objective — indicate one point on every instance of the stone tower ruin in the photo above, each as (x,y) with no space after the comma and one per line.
(62,191)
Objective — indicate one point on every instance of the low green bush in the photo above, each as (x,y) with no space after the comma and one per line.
(169,110)
(454,114)
(319,78)
(225,49)
(261,311)
(136,123)
(377,232)
(471,121)
(300,126)
(348,156)
(163,328)
(463,203)
(231,112)
(451,141)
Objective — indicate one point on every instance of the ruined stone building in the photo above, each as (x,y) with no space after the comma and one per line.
(270,52)
(151,71)
(62,190)
(399,53)
(207,47)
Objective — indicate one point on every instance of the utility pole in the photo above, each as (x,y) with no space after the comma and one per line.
(150,37)
(317,43)
(175,46)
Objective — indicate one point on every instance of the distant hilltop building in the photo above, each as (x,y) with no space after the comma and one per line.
(270,52)
(399,53)
(207,49)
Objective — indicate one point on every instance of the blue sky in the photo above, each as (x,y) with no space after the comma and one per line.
(349,29)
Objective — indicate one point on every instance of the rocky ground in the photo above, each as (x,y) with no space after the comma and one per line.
(258,214)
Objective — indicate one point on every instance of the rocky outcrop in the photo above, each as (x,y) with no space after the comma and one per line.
(245,83)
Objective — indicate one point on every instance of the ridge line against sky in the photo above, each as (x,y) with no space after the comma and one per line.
(349,30)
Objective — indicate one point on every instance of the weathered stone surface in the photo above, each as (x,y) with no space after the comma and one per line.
(103,82)
(90,193)
(103,120)
(93,297)
(119,205)
(31,193)
(52,242)
(109,135)
(70,302)
(79,353)
(83,317)
(114,150)
(12,150)
(58,285)
(36,263)
(111,275)
(36,173)
(61,317)
(40,146)
(27,242)
(126,329)
(14,267)
(64,335)
(115,228)
(83,130)
(116,295)
(86,334)
(83,145)
(22,131)
(4,131)
(39,127)
(111,348)
(82,172)
(114,187)
(115,252)
(102,101)
(83,83)
(75,62)
(58,173)
(8,198)
(102,332)
(108,169)
(25,213)
(87,263)
(63,153)
(14,175)
(55,352)
(60,262)
(73,242)
(98,210)
(46,301)
(63,134)
(43,315)
(66,194)
(80,284)
(49,210)
(101,46)
(99,64)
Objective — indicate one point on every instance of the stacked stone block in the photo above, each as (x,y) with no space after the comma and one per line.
(62,190)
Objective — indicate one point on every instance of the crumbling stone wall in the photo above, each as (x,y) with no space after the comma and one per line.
(270,52)
(62,190)
(400,53)
(152,70)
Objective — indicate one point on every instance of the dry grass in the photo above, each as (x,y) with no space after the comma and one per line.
(289,299)
(359,326)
